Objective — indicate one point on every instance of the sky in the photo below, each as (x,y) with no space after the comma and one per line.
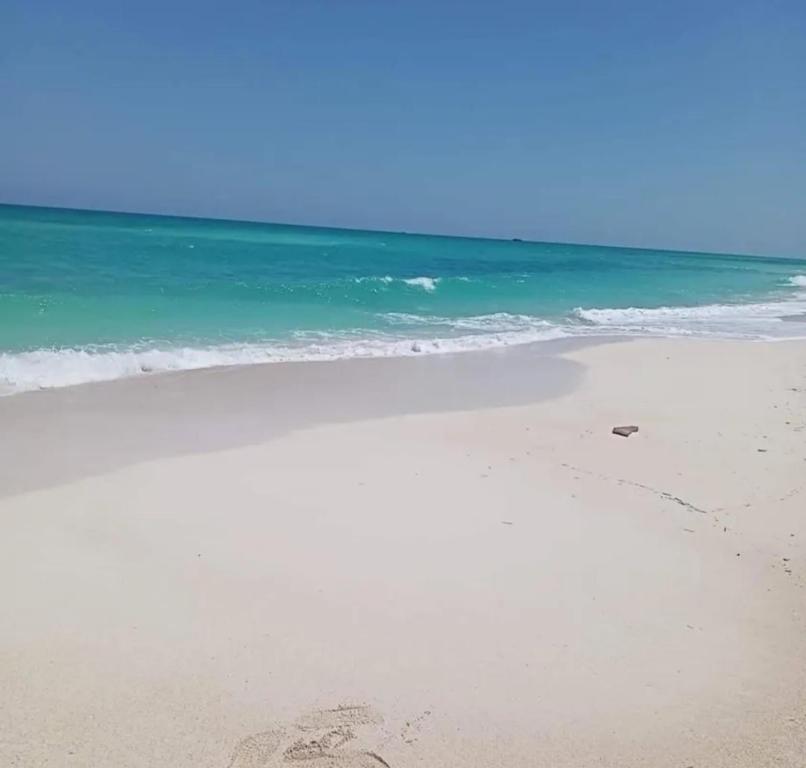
(633,122)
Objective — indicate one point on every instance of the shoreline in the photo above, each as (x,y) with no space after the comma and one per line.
(440,561)
(210,409)
(214,409)
(44,369)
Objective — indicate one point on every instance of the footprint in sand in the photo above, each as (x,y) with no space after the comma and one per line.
(320,739)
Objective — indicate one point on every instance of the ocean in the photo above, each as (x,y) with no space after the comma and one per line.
(92,296)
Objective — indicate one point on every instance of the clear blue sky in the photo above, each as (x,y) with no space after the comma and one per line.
(677,124)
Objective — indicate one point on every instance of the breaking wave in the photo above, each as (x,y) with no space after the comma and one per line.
(426,283)
(762,321)
(408,335)
(47,368)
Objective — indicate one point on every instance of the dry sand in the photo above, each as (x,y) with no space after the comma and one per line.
(498,581)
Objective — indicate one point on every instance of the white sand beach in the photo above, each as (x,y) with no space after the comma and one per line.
(428,562)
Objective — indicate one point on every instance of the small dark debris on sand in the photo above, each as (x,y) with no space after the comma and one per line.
(624,431)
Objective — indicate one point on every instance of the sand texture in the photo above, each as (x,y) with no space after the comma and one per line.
(445,563)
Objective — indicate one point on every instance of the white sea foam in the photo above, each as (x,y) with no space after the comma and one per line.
(798,280)
(47,368)
(743,321)
(426,283)
(384,279)
(493,323)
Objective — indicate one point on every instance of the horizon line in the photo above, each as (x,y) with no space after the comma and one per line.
(523,240)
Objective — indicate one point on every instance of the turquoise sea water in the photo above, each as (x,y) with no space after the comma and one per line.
(91,295)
